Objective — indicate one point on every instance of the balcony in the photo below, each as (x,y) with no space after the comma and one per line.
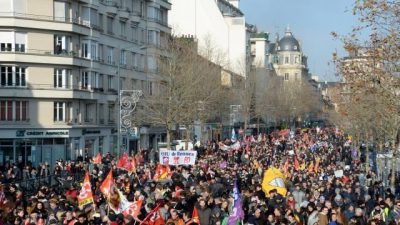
(112,6)
(49,91)
(49,22)
(46,57)
(124,12)
(157,23)
(135,16)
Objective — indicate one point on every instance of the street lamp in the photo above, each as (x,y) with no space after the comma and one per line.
(127,100)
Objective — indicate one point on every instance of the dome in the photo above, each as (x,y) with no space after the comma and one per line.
(288,42)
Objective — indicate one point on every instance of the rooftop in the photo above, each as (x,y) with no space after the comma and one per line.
(227,9)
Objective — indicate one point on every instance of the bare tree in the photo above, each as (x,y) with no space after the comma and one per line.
(371,72)
(188,84)
(290,100)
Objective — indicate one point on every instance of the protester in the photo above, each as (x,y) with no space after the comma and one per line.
(324,184)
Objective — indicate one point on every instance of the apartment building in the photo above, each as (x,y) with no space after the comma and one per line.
(218,25)
(62,64)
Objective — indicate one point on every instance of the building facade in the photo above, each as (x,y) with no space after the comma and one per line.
(62,64)
(218,25)
(288,59)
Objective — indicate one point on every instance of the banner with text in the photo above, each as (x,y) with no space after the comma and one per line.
(177,157)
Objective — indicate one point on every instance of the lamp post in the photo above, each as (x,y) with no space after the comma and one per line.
(127,104)
(127,100)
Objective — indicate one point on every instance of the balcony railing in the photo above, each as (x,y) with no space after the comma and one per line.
(57,88)
(60,53)
(78,20)
(159,21)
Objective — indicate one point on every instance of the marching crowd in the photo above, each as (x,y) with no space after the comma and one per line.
(320,180)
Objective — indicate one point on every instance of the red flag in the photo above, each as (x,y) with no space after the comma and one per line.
(311,167)
(286,166)
(153,218)
(107,185)
(162,172)
(97,159)
(134,209)
(316,165)
(247,149)
(296,164)
(195,216)
(122,160)
(127,163)
(85,196)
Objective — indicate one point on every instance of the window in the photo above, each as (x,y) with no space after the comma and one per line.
(286,60)
(6,47)
(20,47)
(153,13)
(101,23)
(85,80)
(153,37)
(100,53)
(12,41)
(142,9)
(110,82)
(286,76)
(110,58)
(12,76)
(61,44)
(99,80)
(110,22)
(142,35)
(101,113)
(296,76)
(61,11)
(87,112)
(164,15)
(134,34)
(21,108)
(134,60)
(59,111)
(122,24)
(111,112)
(20,77)
(122,57)
(61,78)
(296,59)
(85,50)
(13,110)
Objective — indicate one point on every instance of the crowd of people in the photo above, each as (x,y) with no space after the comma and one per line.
(310,161)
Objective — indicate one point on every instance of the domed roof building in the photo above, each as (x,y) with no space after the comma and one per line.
(287,58)
(288,42)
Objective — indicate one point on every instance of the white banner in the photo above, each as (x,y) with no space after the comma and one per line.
(177,157)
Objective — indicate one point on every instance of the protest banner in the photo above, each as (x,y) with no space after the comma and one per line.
(177,157)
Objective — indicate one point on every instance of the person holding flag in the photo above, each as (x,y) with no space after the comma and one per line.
(154,217)
(233,137)
(85,196)
(236,216)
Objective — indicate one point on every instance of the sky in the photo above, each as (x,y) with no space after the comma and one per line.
(311,22)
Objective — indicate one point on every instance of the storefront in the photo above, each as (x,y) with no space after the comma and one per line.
(35,146)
